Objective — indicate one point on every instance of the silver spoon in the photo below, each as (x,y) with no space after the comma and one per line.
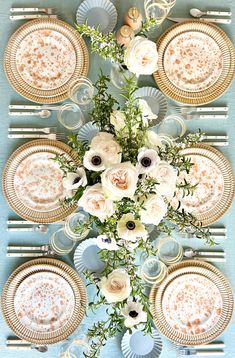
(45,113)
(41,349)
(190,253)
(40,228)
(199,13)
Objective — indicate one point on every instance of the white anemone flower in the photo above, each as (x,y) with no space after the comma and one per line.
(147,160)
(105,242)
(94,160)
(73,181)
(133,313)
(130,229)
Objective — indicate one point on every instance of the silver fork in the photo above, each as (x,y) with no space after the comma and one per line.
(53,136)
(189,117)
(189,110)
(30,248)
(47,130)
(199,353)
(46,10)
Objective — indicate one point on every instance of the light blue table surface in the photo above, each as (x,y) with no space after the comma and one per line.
(68,10)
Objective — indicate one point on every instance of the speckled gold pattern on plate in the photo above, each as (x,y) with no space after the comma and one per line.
(192,304)
(36,94)
(44,302)
(38,182)
(224,199)
(217,279)
(45,59)
(193,61)
(221,84)
(41,266)
(22,153)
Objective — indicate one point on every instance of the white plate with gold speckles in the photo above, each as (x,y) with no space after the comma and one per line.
(193,61)
(38,182)
(44,302)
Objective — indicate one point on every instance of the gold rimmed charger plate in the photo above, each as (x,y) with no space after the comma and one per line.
(35,146)
(44,265)
(211,273)
(227,74)
(20,85)
(226,199)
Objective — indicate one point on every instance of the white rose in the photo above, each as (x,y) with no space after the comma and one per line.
(94,202)
(105,142)
(116,287)
(154,210)
(141,56)
(152,140)
(118,120)
(166,176)
(120,180)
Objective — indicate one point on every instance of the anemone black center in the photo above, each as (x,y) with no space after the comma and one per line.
(146,162)
(107,239)
(76,180)
(133,314)
(130,225)
(96,160)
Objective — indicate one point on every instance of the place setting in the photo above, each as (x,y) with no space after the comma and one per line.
(119,230)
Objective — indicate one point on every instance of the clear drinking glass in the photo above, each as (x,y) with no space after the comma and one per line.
(76,221)
(70,116)
(81,91)
(157,9)
(173,126)
(170,251)
(61,243)
(153,271)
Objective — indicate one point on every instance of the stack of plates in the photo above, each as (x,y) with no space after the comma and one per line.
(193,305)
(196,62)
(43,57)
(44,301)
(140,345)
(215,189)
(33,182)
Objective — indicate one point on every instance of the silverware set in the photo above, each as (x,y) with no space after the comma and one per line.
(223,16)
(31,13)
(36,133)
(216,233)
(43,111)
(39,228)
(216,140)
(29,251)
(19,344)
(221,112)
(211,349)
(209,256)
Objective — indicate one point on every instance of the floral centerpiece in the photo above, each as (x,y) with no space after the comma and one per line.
(126,179)
(139,57)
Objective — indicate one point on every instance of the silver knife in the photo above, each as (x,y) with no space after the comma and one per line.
(33,106)
(215,21)
(26,222)
(216,144)
(32,17)
(209,259)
